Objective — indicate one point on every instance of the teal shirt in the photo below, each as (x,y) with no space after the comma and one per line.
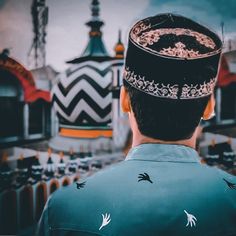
(159,189)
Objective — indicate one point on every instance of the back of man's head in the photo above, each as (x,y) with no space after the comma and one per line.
(170,74)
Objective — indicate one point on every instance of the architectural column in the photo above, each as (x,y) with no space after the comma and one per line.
(43,121)
(54,123)
(26,120)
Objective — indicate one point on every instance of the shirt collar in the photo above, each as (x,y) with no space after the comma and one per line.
(163,153)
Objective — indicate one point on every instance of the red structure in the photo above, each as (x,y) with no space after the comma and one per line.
(25,109)
(31,93)
(225,77)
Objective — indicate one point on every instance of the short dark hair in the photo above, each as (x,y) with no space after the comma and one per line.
(165,119)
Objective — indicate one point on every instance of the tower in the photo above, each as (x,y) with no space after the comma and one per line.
(119,119)
(82,98)
(37,52)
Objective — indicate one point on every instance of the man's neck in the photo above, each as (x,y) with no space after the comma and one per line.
(139,138)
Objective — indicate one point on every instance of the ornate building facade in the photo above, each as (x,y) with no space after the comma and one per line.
(86,98)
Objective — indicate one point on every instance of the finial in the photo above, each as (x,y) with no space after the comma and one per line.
(61,154)
(95,9)
(4,157)
(71,151)
(119,48)
(213,142)
(119,36)
(21,157)
(229,141)
(49,152)
(81,148)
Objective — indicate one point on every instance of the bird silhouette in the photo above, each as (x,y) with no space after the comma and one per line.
(230,185)
(144,177)
(80,185)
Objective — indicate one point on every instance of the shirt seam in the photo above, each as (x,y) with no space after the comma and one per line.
(133,159)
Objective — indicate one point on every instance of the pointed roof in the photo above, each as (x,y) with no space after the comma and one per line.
(50,161)
(119,48)
(95,49)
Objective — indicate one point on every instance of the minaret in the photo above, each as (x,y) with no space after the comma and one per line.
(73,163)
(22,172)
(50,167)
(117,70)
(118,118)
(119,48)
(61,166)
(36,171)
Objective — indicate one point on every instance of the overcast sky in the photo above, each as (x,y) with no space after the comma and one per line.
(67,34)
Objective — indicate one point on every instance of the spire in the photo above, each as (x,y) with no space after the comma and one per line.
(50,167)
(95,10)
(61,166)
(119,47)
(95,45)
(119,36)
(36,170)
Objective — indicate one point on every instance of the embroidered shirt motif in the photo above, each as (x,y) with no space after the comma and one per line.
(230,185)
(144,177)
(105,220)
(190,219)
(80,185)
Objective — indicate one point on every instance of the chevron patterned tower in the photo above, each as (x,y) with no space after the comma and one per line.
(82,97)
(81,100)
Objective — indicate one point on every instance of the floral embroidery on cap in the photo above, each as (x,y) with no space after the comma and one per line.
(167,90)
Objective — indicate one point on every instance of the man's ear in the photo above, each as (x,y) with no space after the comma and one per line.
(124,100)
(209,110)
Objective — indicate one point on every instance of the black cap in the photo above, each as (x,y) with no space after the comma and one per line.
(171,56)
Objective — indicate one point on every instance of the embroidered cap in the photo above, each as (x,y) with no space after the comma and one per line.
(171,56)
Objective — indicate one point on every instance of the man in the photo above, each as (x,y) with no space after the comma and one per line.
(161,188)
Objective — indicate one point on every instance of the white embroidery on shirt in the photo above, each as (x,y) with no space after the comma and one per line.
(191,219)
(105,220)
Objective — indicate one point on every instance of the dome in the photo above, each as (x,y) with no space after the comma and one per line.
(82,95)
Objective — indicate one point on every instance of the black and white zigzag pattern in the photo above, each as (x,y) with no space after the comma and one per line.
(82,95)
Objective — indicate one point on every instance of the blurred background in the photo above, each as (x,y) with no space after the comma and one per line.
(61,66)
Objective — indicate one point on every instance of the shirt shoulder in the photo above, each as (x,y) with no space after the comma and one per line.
(137,191)
(81,206)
